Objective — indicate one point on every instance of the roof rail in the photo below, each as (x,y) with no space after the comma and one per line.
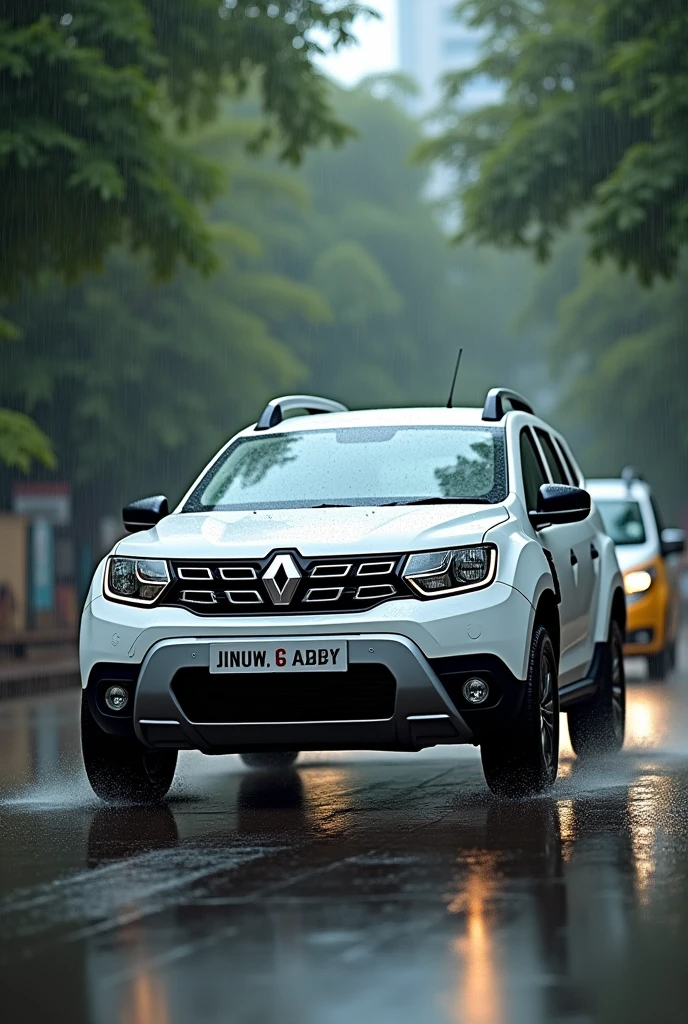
(630,473)
(274,411)
(501,400)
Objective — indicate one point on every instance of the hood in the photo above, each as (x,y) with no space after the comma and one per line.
(634,556)
(314,532)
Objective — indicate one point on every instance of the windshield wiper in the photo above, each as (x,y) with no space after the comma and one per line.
(435,501)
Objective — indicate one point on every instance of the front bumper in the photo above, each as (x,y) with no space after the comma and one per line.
(426,706)
(646,619)
(427,646)
(497,620)
(419,698)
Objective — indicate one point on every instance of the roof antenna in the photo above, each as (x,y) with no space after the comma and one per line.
(453,384)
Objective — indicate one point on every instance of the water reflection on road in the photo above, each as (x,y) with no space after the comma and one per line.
(372,887)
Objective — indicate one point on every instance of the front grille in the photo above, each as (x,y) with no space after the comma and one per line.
(362,693)
(305,585)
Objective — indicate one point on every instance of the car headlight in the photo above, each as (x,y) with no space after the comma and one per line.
(437,573)
(638,581)
(136,580)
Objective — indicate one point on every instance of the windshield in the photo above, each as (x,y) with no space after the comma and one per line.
(623,521)
(356,466)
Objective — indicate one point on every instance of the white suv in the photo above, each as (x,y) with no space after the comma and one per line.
(387,580)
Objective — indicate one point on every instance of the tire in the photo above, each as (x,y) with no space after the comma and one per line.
(524,760)
(597,726)
(123,771)
(659,665)
(270,760)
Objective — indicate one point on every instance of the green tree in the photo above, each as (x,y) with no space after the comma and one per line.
(86,156)
(401,345)
(619,357)
(594,117)
(21,442)
(87,97)
(140,382)
(335,278)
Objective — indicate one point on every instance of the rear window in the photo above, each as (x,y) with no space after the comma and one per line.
(623,521)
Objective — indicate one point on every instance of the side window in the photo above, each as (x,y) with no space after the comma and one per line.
(573,472)
(556,467)
(534,475)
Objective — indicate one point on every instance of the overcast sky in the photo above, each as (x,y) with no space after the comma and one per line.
(376,50)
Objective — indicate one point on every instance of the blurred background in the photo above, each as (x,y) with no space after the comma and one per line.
(207,206)
(208,203)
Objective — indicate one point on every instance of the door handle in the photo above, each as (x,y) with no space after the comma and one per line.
(574,558)
(594,553)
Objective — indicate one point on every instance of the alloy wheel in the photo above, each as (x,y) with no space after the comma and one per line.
(546,711)
(618,696)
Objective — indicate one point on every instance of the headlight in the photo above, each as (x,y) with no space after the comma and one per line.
(639,581)
(436,573)
(136,580)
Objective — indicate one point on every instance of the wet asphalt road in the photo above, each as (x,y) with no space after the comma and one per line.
(358,888)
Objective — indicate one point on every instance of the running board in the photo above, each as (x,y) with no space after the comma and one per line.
(581,689)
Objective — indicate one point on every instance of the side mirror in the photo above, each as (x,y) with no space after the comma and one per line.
(143,514)
(673,542)
(558,504)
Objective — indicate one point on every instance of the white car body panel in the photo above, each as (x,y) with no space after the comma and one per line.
(500,616)
(313,531)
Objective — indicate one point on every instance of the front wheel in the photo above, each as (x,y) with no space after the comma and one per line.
(524,761)
(270,760)
(123,771)
(597,726)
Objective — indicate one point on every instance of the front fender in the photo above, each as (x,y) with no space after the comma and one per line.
(522,562)
(610,582)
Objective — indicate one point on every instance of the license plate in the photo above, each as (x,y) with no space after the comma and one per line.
(278,656)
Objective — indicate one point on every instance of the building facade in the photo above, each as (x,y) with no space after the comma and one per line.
(431,43)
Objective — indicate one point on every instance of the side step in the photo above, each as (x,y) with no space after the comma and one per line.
(581,689)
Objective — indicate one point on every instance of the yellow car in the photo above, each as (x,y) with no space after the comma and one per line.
(649,558)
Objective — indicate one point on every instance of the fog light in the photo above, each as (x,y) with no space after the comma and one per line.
(475,691)
(116,698)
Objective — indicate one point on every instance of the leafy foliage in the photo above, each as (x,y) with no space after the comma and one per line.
(401,347)
(86,160)
(139,375)
(620,357)
(335,278)
(594,116)
(21,442)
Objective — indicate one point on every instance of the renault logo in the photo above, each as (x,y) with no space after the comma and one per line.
(281,579)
